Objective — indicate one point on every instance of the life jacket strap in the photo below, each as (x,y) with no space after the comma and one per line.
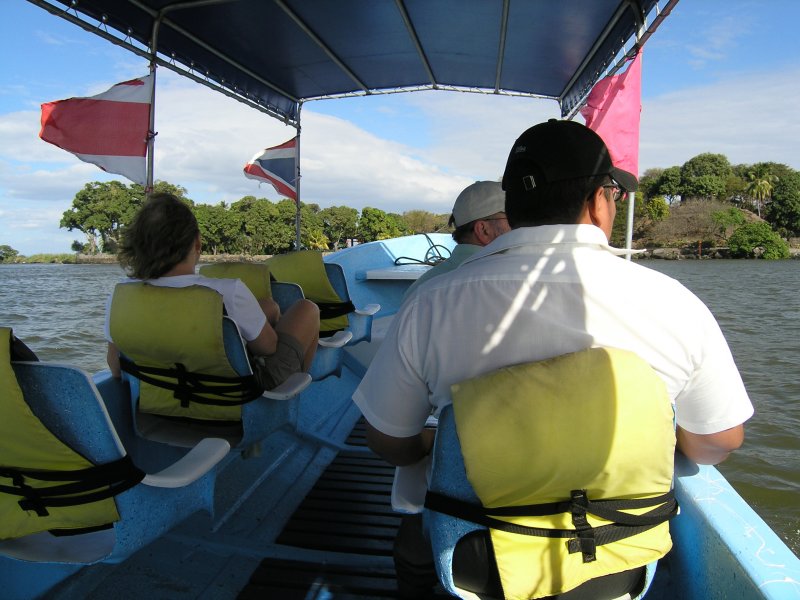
(331,310)
(82,485)
(583,538)
(188,386)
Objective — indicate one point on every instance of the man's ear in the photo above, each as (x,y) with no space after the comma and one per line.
(481,232)
(597,208)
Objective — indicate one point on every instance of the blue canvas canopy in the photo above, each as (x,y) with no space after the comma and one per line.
(276,54)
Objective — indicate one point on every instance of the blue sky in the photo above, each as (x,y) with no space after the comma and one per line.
(718,76)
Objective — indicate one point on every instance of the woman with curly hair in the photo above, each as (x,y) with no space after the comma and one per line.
(162,247)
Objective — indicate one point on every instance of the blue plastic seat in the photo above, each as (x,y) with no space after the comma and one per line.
(449,477)
(257,418)
(256,276)
(66,401)
(328,358)
(360,320)
(260,417)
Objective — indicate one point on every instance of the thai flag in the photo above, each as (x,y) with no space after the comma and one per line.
(108,130)
(276,166)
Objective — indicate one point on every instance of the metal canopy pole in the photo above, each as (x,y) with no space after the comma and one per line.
(297,181)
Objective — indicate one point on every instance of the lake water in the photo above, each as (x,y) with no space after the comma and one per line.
(58,310)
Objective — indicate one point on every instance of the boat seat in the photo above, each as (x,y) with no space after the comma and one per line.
(360,320)
(243,422)
(65,400)
(587,490)
(256,276)
(324,283)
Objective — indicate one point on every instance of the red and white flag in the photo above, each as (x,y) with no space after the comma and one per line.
(613,110)
(108,130)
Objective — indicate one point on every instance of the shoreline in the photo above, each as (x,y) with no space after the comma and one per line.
(673,253)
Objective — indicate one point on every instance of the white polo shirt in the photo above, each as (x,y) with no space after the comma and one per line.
(539,292)
(240,303)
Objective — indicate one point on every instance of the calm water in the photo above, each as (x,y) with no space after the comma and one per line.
(59,309)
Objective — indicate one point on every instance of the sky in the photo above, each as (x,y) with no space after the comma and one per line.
(718,76)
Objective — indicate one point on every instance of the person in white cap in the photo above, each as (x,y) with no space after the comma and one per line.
(478,217)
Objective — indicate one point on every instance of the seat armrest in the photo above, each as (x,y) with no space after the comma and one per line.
(199,461)
(337,340)
(368,310)
(290,388)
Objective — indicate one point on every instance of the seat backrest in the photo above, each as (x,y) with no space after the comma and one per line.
(255,276)
(306,268)
(336,276)
(162,327)
(597,421)
(448,477)
(54,421)
(66,401)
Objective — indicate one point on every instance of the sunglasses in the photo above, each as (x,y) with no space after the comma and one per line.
(618,193)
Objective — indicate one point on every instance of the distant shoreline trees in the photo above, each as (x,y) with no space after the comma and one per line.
(256,226)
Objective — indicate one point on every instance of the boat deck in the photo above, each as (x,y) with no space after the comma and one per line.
(347,511)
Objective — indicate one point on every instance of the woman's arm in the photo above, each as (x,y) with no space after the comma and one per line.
(265,343)
(112,358)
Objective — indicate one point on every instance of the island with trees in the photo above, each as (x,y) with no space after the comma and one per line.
(703,208)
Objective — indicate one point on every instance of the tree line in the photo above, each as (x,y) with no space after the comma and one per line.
(749,207)
(753,209)
(251,225)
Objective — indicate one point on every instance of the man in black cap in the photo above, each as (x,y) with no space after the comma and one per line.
(550,287)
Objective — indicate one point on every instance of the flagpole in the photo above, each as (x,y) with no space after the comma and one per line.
(297,182)
(151,133)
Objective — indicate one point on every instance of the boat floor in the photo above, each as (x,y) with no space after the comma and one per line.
(318,523)
(347,511)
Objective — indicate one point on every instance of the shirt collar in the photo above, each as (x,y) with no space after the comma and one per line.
(550,236)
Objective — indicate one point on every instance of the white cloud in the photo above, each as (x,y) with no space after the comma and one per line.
(205,139)
(748,117)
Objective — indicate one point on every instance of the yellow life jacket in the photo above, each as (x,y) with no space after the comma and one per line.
(171,340)
(44,484)
(306,269)
(585,442)
(254,275)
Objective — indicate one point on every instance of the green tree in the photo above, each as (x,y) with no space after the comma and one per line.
(261,228)
(374,224)
(728,220)
(757,240)
(648,180)
(668,184)
(338,224)
(7,253)
(423,221)
(704,177)
(784,210)
(656,208)
(760,183)
(102,209)
(218,227)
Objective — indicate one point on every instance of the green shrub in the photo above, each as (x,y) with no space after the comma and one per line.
(744,241)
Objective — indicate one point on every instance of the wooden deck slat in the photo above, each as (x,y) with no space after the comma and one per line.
(311,516)
(348,510)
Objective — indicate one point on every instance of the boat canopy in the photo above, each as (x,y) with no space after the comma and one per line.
(276,54)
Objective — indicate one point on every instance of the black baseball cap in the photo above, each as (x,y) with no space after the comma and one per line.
(557,151)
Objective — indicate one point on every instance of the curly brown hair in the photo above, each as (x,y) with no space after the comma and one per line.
(159,237)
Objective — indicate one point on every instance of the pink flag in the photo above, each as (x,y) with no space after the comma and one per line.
(613,110)
(108,130)
(276,166)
